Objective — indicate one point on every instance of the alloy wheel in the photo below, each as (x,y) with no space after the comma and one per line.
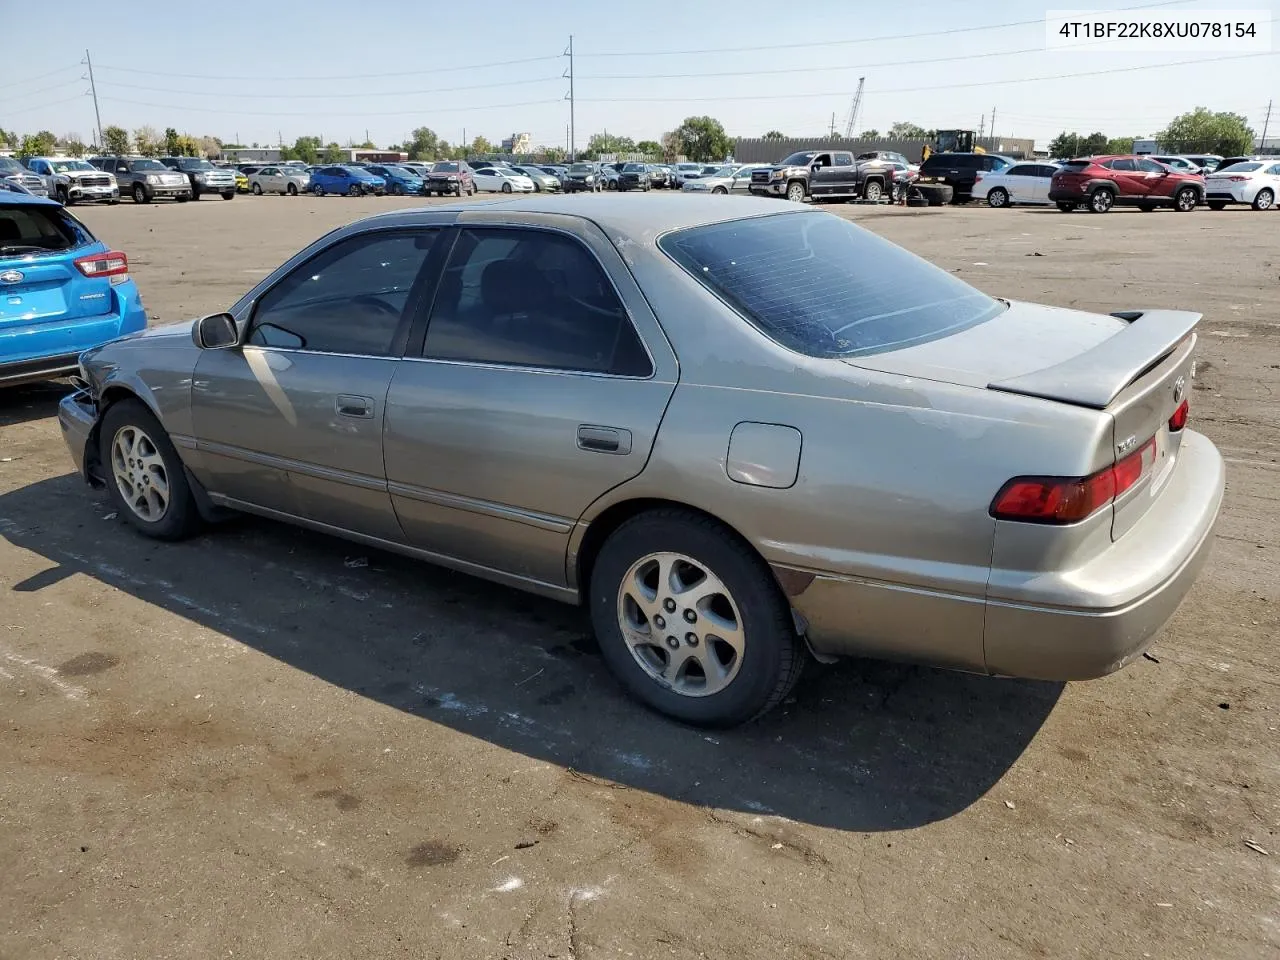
(681,624)
(139,473)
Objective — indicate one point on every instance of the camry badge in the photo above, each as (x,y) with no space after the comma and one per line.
(1179,388)
(1125,445)
(12,276)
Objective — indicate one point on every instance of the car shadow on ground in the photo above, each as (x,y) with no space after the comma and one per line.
(862,745)
(32,401)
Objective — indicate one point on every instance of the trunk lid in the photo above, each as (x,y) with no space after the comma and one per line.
(1134,366)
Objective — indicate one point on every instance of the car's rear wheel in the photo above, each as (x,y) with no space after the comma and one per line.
(317,190)
(144,475)
(395,190)
(720,190)
(291,189)
(997,197)
(795,191)
(257,189)
(1265,200)
(873,191)
(1101,200)
(355,190)
(1185,200)
(1217,204)
(62,196)
(691,621)
(140,194)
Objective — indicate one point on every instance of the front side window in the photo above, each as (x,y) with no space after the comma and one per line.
(531,298)
(823,287)
(351,298)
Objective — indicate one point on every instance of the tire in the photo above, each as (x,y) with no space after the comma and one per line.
(873,190)
(1064,207)
(195,193)
(317,190)
(140,194)
(291,189)
(62,196)
(795,191)
(184,197)
(228,194)
(761,669)
(1218,204)
(1146,207)
(506,188)
(257,189)
(395,190)
(130,427)
(997,197)
(1265,200)
(471,190)
(1185,200)
(355,190)
(1101,200)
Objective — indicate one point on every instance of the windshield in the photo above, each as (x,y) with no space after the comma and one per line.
(11,166)
(196,165)
(580,168)
(799,159)
(633,168)
(819,285)
(445,168)
(62,166)
(402,172)
(148,165)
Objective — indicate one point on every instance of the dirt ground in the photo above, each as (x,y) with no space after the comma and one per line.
(251,745)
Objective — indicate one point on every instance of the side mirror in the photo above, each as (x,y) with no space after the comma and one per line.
(216,332)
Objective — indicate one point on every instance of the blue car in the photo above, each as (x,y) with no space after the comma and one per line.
(62,290)
(353,181)
(399,180)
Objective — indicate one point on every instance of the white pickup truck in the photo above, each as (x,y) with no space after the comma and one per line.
(71,180)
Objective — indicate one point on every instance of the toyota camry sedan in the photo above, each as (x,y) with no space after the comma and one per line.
(738,435)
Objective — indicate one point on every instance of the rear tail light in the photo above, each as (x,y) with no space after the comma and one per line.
(978,175)
(1060,500)
(1179,418)
(111,264)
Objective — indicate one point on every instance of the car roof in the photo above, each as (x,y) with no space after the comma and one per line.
(640,218)
(26,199)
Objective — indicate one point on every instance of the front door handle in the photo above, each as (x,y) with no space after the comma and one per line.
(348,405)
(597,439)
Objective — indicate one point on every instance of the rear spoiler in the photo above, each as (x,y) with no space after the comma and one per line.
(1097,376)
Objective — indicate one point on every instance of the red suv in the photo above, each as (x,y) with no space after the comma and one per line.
(1102,182)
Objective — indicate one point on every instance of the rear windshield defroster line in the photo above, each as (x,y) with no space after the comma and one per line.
(820,286)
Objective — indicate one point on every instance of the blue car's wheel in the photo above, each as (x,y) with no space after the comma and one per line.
(317,190)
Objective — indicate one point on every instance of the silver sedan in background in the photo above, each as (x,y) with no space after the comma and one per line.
(638,407)
(280,179)
(731,178)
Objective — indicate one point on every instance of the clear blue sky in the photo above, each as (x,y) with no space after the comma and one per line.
(448,66)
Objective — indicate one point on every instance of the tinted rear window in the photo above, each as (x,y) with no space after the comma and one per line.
(35,229)
(819,285)
(1240,167)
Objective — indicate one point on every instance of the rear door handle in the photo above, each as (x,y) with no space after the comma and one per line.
(348,405)
(597,439)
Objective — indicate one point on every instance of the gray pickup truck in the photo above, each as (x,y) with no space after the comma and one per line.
(145,179)
(204,176)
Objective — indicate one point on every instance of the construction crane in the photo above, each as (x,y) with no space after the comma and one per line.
(853,110)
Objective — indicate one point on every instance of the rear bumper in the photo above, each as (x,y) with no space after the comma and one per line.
(1233,193)
(1065,625)
(51,348)
(44,368)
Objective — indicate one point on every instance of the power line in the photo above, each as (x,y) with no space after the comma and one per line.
(33,93)
(313,79)
(37,77)
(879,39)
(43,106)
(112,84)
(325,113)
(934,87)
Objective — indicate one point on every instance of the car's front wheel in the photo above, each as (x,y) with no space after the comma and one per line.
(228,194)
(144,475)
(795,192)
(873,191)
(291,189)
(1265,199)
(140,194)
(317,190)
(1185,200)
(1101,200)
(691,621)
(506,188)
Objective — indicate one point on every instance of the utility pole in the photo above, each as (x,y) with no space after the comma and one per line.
(982,126)
(993,130)
(1262,144)
(573,133)
(96,112)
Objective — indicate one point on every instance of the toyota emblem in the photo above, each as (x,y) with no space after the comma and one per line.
(12,276)
(1179,388)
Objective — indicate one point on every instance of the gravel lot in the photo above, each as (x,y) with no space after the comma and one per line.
(253,745)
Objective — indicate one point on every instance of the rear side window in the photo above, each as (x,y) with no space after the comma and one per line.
(35,229)
(531,298)
(823,287)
